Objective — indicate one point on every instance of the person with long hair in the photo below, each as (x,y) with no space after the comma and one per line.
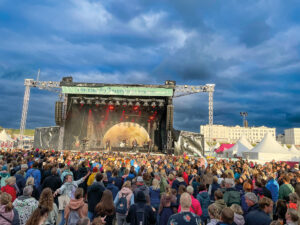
(77,205)
(47,200)
(25,205)
(154,193)
(126,192)
(39,216)
(6,209)
(106,207)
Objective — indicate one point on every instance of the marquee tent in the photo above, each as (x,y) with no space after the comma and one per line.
(223,147)
(4,137)
(268,149)
(242,145)
(285,147)
(294,150)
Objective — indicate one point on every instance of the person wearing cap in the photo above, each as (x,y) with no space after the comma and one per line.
(25,205)
(251,201)
(112,187)
(141,187)
(260,216)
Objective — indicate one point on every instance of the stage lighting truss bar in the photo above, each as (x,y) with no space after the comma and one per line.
(182,90)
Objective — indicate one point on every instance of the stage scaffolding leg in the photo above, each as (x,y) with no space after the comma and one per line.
(62,128)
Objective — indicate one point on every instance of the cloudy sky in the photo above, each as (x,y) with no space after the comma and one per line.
(249,49)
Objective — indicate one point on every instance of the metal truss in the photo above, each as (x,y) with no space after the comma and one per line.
(43,85)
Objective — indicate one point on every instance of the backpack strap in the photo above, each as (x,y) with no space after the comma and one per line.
(6,219)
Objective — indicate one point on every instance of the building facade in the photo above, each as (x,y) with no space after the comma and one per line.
(292,136)
(231,134)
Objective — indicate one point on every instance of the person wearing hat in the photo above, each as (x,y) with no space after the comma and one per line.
(251,201)
(91,178)
(141,187)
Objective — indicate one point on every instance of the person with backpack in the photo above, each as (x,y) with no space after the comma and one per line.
(122,202)
(140,213)
(35,173)
(76,208)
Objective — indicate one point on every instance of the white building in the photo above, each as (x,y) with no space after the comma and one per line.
(292,136)
(227,134)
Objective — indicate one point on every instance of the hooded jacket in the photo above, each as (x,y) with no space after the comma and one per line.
(239,219)
(204,200)
(129,197)
(273,186)
(177,182)
(220,204)
(140,202)
(78,205)
(94,195)
(10,190)
(8,215)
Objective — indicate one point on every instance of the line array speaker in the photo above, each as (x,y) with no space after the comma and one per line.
(170,111)
(58,113)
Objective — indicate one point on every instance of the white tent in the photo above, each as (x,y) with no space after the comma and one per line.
(4,137)
(242,145)
(294,150)
(268,149)
(206,147)
(216,146)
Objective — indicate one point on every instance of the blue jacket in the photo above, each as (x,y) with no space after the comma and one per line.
(36,174)
(113,188)
(154,196)
(204,200)
(257,217)
(273,186)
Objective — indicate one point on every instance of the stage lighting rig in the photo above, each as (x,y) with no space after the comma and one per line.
(82,102)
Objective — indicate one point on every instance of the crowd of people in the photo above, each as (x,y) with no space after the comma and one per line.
(56,188)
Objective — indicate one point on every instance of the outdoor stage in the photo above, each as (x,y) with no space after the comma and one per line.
(97,117)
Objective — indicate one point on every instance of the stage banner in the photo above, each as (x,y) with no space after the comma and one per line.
(115,90)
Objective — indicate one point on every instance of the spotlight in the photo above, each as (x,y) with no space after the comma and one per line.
(129,103)
(82,102)
(146,104)
(110,103)
(103,102)
(89,102)
(161,104)
(124,104)
(135,108)
(117,103)
(111,107)
(137,104)
(75,101)
(153,104)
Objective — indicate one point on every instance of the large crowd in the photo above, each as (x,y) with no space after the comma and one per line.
(56,188)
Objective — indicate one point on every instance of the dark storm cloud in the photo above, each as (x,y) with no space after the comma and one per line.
(249,49)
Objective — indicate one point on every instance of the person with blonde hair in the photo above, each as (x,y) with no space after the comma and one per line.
(35,192)
(154,193)
(25,205)
(10,188)
(214,214)
(6,209)
(238,214)
(185,217)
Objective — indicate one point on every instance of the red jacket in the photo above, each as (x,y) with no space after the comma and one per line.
(10,190)
(185,176)
(195,207)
